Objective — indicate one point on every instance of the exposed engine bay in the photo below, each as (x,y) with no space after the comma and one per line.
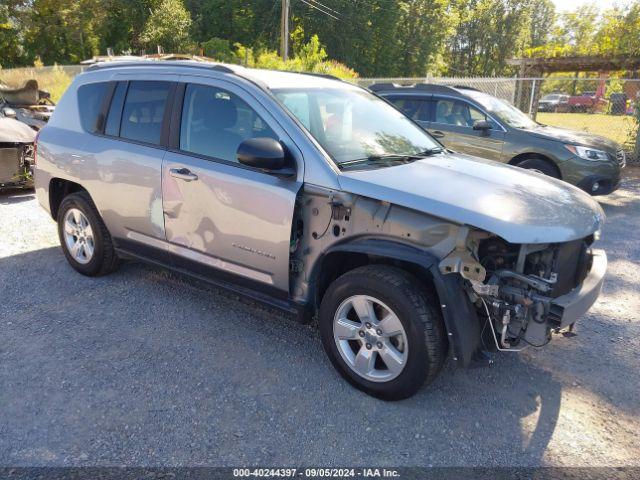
(514,286)
(16,165)
(16,153)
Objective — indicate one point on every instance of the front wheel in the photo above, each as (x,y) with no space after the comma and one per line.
(382,331)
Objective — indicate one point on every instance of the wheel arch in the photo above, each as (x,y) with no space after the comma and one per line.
(460,318)
(59,188)
(521,157)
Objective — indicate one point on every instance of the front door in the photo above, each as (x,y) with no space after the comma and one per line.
(218,212)
(453,126)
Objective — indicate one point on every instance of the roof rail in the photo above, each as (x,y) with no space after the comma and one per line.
(465,87)
(383,86)
(321,75)
(436,88)
(427,87)
(219,67)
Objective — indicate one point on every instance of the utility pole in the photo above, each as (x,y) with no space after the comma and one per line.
(284,30)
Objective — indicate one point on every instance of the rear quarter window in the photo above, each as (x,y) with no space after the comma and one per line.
(90,98)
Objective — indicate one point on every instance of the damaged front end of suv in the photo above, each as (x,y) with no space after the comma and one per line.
(518,263)
(524,292)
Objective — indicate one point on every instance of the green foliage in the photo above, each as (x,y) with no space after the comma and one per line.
(168,26)
(383,38)
(10,46)
(592,31)
(219,49)
(308,57)
(61,31)
(489,32)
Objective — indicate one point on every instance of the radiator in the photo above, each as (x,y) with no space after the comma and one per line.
(9,164)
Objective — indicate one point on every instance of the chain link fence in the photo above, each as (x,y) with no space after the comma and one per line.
(607,107)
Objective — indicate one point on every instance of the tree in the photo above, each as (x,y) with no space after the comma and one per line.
(122,24)
(489,32)
(168,26)
(10,44)
(219,49)
(543,17)
(61,30)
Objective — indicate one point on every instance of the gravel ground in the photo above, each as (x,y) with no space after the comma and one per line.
(149,368)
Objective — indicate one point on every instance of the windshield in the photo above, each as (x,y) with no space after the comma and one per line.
(503,111)
(551,97)
(352,124)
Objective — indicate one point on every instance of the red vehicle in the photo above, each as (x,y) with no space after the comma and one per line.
(591,102)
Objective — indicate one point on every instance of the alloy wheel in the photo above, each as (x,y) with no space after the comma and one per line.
(78,236)
(370,338)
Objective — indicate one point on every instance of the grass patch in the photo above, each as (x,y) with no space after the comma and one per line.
(54,80)
(620,128)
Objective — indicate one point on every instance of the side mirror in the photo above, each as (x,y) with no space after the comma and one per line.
(482,125)
(264,153)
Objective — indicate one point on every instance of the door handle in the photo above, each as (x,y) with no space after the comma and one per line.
(183,174)
(437,134)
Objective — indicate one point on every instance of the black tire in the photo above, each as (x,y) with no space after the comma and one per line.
(541,165)
(104,259)
(418,311)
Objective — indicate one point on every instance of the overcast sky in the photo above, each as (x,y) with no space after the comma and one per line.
(565,5)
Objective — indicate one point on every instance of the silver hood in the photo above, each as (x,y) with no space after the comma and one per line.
(518,205)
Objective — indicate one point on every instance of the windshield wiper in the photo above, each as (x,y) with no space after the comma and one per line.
(431,151)
(392,156)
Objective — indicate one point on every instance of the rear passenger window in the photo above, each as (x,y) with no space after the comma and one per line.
(90,98)
(215,122)
(144,111)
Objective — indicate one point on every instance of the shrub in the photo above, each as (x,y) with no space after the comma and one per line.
(309,57)
(219,49)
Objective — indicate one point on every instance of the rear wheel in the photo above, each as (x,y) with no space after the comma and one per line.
(84,238)
(382,331)
(540,165)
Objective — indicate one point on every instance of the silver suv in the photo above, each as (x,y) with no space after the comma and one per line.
(321,199)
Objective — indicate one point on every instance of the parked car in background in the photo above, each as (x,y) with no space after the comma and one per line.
(554,102)
(16,154)
(468,121)
(318,197)
(587,102)
(27,104)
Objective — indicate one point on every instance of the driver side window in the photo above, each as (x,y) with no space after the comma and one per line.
(215,122)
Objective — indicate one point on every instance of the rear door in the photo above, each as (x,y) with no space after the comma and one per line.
(217,212)
(122,161)
(452,124)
